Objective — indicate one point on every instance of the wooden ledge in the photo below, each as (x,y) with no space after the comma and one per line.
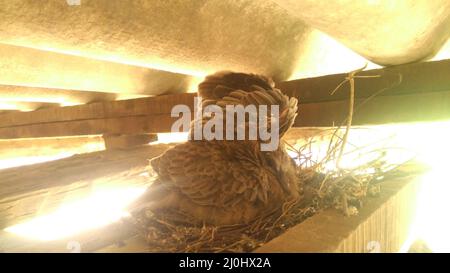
(382,225)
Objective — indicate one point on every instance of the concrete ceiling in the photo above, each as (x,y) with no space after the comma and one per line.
(190,37)
(384,31)
(140,47)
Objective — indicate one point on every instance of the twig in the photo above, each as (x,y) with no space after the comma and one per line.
(351,79)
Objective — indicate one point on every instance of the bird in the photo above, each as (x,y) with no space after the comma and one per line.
(227,182)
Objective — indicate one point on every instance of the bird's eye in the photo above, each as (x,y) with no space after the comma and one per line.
(271,161)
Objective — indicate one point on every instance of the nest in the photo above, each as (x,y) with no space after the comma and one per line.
(339,188)
(344,190)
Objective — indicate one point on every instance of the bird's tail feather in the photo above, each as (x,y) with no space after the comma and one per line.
(155,197)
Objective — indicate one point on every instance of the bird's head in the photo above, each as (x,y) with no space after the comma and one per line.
(277,160)
(284,169)
(281,165)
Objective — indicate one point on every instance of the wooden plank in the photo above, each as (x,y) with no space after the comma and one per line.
(2,112)
(38,189)
(124,125)
(111,236)
(382,225)
(20,152)
(99,110)
(380,110)
(31,191)
(119,141)
(135,116)
(423,94)
(48,146)
(416,78)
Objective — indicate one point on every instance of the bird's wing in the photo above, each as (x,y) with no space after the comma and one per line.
(220,84)
(202,171)
(287,106)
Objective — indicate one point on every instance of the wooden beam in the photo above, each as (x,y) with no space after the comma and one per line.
(136,116)
(412,93)
(379,110)
(126,119)
(405,93)
(119,141)
(30,191)
(48,147)
(382,225)
(416,78)
(41,188)
(124,125)
(100,110)
(8,111)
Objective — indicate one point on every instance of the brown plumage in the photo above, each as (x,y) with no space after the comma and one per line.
(228,182)
(221,184)
(230,88)
(220,84)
